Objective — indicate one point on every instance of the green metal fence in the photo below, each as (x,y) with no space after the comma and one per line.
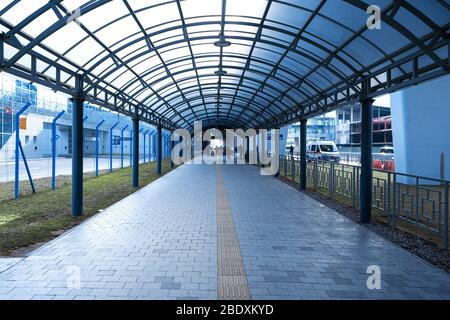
(416,204)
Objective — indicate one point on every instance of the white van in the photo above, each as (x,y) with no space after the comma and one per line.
(322,150)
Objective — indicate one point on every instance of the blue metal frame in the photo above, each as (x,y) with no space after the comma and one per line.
(77,155)
(152,146)
(139,147)
(315,98)
(303,133)
(165,147)
(131,148)
(111,146)
(17,122)
(59,115)
(145,147)
(26,167)
(122,143)
(172,145)
(159,151)
(135,146)
(96,146)
(366,185)
(169,145)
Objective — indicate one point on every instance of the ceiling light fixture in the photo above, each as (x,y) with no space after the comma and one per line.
(220,72)
(222,43)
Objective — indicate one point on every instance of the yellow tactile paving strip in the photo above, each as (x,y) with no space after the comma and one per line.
(232,281)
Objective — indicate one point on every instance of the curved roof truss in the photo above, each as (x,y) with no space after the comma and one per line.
(261,64)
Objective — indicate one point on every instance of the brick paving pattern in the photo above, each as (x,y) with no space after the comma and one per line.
(162,243)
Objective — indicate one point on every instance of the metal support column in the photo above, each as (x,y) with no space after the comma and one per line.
(77,152)
(158,153)
(96,146)
(276,153)
(164,146)
(135,152)
(247,150)
(303,132)
(169,145)
(17,124)
(111,146)
(172,145)
(122,143)
(151,142)
(145,143)
(131,147)
(59,115)
(366,156)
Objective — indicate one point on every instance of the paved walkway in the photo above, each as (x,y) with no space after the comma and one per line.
(162,243)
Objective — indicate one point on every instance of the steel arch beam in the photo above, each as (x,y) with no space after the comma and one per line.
(152,106)
(227,86)
(325,95)
(213,95)
(233,56)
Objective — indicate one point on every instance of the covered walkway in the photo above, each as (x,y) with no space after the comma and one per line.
(208,232)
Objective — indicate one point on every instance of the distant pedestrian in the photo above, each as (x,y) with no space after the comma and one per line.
(291,150)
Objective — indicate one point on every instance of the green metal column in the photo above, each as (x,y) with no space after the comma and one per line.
(303,132)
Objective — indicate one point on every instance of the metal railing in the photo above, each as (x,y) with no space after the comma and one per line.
(418,205)
(355,157)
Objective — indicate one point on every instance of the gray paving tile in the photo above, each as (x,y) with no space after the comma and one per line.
(161,243)
(293,247)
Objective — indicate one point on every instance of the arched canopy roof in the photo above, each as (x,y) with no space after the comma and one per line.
(168,61)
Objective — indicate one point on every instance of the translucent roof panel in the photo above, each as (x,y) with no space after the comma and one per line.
(263,60)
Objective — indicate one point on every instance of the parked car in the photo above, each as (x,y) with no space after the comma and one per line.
(389,150)
(322,150)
